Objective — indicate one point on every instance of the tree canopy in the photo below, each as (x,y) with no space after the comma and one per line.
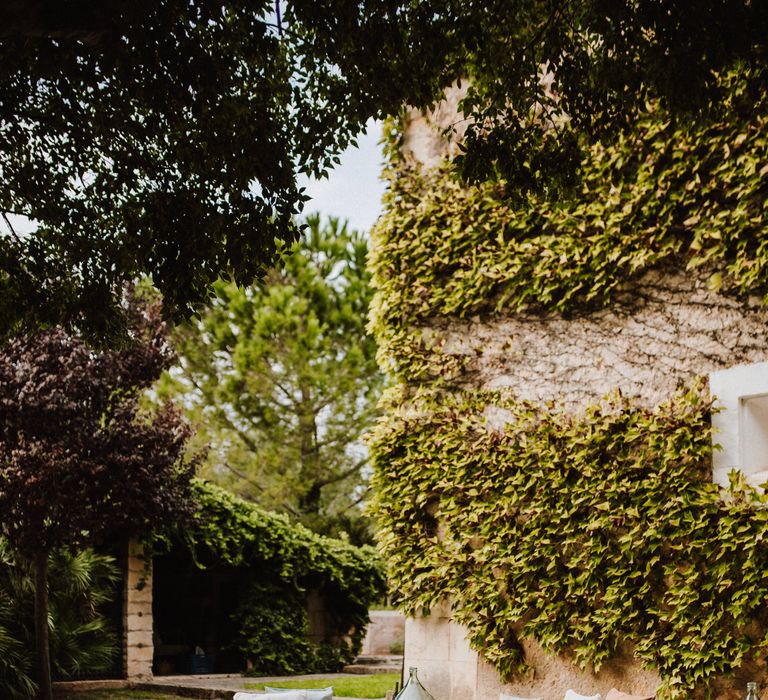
(281,380)
(164,137)
(164,140)
(79,459)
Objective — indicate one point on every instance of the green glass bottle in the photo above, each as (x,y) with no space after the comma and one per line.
(751,691)
(413,689)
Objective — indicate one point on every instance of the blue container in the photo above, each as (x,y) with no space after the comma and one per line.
(199,664)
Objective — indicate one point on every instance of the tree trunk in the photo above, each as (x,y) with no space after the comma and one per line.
(41,626)
(309,500)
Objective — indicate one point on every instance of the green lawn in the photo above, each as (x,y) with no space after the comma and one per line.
(363,686)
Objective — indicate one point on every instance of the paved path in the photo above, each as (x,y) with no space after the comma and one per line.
(224,686)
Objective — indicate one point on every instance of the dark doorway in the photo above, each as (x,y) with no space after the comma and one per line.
(192,611)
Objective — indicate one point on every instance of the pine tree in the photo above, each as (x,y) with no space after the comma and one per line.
(282,380)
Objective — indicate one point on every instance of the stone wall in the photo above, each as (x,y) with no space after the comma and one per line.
(437,646)
(385,632)
(661,330)
(448,668)
(430,136)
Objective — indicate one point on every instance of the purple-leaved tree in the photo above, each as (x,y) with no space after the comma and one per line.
(80,459)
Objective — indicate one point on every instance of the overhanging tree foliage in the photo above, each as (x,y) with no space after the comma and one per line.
(164,137)
(282,380)
(78,459)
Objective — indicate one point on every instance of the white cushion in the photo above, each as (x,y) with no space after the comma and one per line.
(504,696)
(290,695)
(573,695)
(312,693)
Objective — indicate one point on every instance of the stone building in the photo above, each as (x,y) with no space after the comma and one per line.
(470,310)
(196,603)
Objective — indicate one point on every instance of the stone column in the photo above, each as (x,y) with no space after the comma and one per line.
(138,648)
(438,647)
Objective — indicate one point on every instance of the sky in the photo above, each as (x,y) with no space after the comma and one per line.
(353,190)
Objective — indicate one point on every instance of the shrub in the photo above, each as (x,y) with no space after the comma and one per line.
(272,629)
(81,638)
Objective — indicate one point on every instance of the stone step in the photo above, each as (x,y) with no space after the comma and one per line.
(364,669)
(369,663)
(386,659)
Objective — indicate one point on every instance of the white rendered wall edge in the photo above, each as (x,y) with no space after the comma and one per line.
(730,387)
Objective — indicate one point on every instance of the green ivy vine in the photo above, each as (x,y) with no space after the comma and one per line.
(582,532)
(692,195)
(228,529)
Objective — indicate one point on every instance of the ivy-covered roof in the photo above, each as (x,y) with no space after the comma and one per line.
(228,530)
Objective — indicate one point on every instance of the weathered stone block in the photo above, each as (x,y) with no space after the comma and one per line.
(139,607)
(386,628)
(142,595)
(139,638)
(138,578)
(139,623)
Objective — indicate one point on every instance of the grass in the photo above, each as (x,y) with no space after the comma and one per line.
(363,686)
(373,685)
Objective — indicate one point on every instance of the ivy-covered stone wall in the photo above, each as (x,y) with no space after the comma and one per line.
(660,330)
(258,591)
(548,517)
